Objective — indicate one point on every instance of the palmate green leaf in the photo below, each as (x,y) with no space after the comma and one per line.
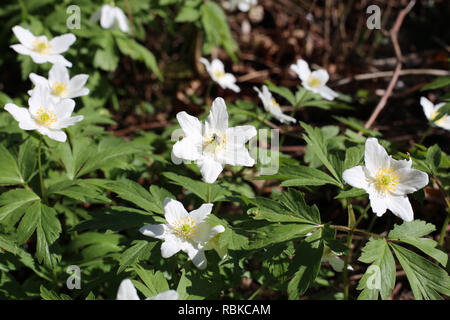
(198,188)
(80,190)
(290,207)
(47,294)
(277,233)
(14,203)
(232,238)
(306,263)
(48,229)
(132,191)
(138,52)
(377,253)
(315,141)
(295,175)
(140,249)
(282,91)
(427,280)
(357,125)
(439,82)
(353,157)
(188,14)
(27,160)
(154,282)
(433,159)
(411,233)
(9,170)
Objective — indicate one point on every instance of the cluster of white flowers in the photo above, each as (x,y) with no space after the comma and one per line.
(50,105)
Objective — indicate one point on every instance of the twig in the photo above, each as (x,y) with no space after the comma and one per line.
(130,17)
(394,34)
(385,74)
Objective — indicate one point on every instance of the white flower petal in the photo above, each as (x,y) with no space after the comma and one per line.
(174,210)
(375,156)
(58,73)
(77,82)
(218,117)
(166,295)
(106,17)
(189,148)
(228,81)
(198,258)
(121,20)
(210,169)
(356,177)
(21,115)
(205,232)
(302,69)
(200,214)
(64,109)
(428,107)
(67,122)
(241,134)
(19,48)
(327,93)
(62,43)
(38,80)
(378,204)
(321,75)
(410,180)
(190,125)
(401,207)
(237,155)
(127,291)
(169,247)
(57,135)
(154,230)
(217,65)
(24,36)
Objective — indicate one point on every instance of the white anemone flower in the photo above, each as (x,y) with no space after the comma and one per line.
(59,83)
(45,115)
(216,70)
(184,231)
(111,17)
(127,291)
(314,81)
(214,144)
(431,112)
(386,180)
(242,5)
(42,50)
(272,106)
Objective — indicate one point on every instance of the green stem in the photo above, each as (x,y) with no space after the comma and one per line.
(447,202)
(427,132)
(255,293)
(208,193)
(41,179)
(24,10)
(346,261)
(347,229)
(444,229)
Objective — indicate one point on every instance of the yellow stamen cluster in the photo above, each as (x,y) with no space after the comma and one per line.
(386,180)
(275,103)
(59,88)
(434,115)
(313,82)
(214,142)
(41,46)
(185,228)
(45,117)
(219,74)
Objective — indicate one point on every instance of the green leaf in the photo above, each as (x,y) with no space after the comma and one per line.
(411,233)
(198,188)
(27,160)
(282,91)
(306,262)
(48,230)
(155,282)
(433,160)
(13,203)
(80,190)
(315,141)
(138,251)
(9,170)
(291,207)
(437,83)
(188,14)
(427,280)
(379,278)
(47,294)
(352,193)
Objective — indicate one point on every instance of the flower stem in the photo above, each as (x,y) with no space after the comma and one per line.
(347,258)
(444,229)
(40,169)
(447,202)
(347,229)
(208,193)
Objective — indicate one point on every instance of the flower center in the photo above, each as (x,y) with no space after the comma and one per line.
(313,82)
(219,74)
(45,117)
(214,142)
(59,89)
(41,46)
(275,103)
(386,180)
(434,115)
(185,228)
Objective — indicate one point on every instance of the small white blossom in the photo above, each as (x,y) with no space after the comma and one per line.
(184,231)
(314,81)
(127,291)
(111,17)
(45,115)
(42,50)
(217,72)
(386,180)
(242,5)
(271,105)
(431,112)
(214,144)
(59,83)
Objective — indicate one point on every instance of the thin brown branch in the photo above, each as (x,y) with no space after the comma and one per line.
(394,34)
